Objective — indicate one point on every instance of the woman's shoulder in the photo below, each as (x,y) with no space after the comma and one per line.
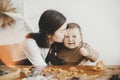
(29,42)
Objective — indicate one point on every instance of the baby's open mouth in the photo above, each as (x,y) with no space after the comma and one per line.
(70,43)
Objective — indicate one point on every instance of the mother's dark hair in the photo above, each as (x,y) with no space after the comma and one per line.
(50,21)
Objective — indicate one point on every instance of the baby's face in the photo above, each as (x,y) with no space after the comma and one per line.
(73,38)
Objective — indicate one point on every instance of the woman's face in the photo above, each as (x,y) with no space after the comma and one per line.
(59,34)
(73,38)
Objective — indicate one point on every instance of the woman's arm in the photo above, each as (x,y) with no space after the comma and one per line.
(33,52)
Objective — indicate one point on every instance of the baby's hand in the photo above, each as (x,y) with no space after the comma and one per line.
(84,52)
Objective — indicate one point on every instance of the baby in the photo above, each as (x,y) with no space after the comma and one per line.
(74,51)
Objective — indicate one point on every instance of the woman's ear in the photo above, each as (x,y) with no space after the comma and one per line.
(49,36)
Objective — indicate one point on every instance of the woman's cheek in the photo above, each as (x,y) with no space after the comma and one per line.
(61,37)
(58,38)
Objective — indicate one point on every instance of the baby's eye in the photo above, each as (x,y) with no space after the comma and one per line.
(74,36)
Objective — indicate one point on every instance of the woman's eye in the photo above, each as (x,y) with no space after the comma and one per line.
(66,36)
(63,31)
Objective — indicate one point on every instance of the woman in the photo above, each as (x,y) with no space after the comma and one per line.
(52,29)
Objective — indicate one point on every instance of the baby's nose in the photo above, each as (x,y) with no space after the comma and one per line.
(70,39)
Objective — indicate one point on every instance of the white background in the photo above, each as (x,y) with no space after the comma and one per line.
(99,20)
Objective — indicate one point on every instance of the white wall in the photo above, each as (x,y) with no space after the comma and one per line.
(99,20)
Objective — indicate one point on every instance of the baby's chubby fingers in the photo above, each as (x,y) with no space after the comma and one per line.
(84,52)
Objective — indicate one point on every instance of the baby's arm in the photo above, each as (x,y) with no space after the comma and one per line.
(83,61)
(89,53)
